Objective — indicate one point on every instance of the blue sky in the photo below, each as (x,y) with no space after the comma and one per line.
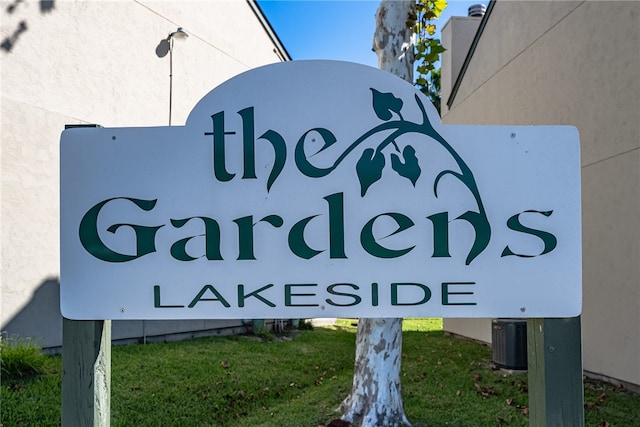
(343,30)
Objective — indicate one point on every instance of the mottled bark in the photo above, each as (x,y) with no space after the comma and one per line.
(393,40)
(376,394)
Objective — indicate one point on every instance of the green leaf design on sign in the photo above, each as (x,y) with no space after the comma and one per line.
(385,103)
(369,168)
(410,168)
(372,161)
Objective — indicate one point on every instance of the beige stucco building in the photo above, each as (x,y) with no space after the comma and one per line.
(102,62)
(568,63)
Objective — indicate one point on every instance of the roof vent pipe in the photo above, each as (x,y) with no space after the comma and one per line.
(477,10)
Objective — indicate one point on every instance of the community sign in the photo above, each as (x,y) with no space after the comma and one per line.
(319,189)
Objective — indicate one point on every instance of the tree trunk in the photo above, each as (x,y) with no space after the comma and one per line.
(393,40)
(376,394)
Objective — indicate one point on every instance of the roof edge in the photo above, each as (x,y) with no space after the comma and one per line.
(279,49)
(472,49)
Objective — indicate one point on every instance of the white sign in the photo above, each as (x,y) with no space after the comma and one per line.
(319,189)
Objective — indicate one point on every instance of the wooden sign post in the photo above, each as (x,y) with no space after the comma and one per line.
(556,391)
(86,373)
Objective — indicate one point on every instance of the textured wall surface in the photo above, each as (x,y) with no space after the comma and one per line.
(70,62)
(555,63)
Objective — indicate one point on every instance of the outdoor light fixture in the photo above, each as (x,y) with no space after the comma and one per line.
(166,46)
(179,34)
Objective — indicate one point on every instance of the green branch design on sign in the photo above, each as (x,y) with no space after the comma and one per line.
(371,163)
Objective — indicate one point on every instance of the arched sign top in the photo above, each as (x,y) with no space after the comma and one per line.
(307,87)
(358,112)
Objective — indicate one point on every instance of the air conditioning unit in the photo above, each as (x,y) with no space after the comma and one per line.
(509,343)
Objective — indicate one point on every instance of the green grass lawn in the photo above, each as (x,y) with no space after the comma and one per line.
(299,380)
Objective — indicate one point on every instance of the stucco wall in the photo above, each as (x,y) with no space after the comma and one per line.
(452,59)
(68,62)
(576,63)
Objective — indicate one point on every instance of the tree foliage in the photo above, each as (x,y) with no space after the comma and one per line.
(432,88)
(427,47)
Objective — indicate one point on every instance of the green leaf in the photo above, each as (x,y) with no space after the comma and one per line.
(423,69)
(369,169)
(431,58)
(385,103)
(439,6)
(410,168)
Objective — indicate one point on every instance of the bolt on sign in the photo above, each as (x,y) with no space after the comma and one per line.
(319,189)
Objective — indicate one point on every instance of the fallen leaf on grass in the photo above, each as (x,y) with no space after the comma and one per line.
(485,391)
